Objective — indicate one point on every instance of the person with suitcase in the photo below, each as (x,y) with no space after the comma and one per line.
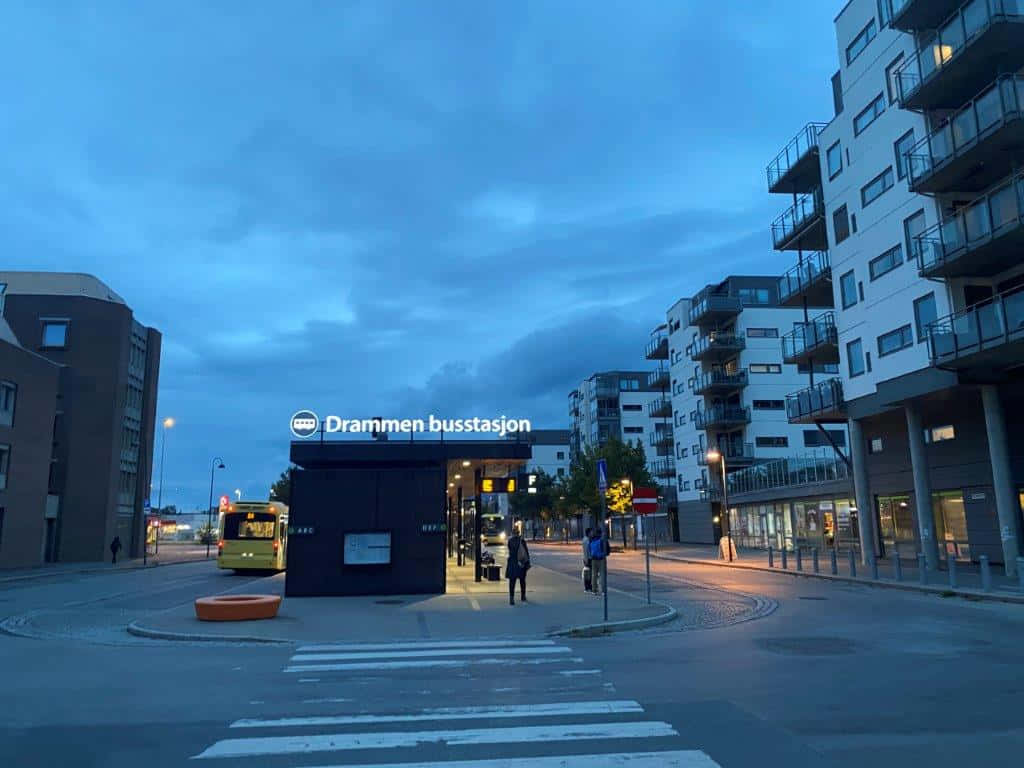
(587,573)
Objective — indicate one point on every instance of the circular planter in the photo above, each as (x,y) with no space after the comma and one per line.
(237,607)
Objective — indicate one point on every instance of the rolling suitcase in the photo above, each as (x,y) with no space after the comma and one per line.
(588,584)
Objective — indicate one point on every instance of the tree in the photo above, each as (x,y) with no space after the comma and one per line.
(281,490)
(625,460)
(539,505)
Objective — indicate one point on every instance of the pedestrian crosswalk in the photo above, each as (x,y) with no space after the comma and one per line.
(554,714)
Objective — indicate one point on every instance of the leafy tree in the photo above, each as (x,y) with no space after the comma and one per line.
(625,460)
(281,490)
(539,506)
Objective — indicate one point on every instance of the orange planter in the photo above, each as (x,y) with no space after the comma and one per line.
(237,607)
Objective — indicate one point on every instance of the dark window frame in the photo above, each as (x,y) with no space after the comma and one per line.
(906,334)
(887,259)
(828,161)
(873,108)
(860,358)
(843,211)
(842,292)
(890,70)
(46,322)
(902,166)
(922,331)
(886,180)
(862,38)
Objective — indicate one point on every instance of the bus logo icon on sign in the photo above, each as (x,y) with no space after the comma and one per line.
(304,424)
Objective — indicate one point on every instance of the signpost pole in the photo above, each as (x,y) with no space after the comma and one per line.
(647,557)
(602,488)
(477,516)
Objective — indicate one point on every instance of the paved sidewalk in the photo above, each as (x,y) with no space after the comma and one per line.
(556,603)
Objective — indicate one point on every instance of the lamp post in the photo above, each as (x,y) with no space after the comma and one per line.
(217,463)
(716,456)
(167,424)
(238,494)
(626,483)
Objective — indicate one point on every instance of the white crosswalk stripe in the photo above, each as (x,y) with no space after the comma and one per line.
(574,716)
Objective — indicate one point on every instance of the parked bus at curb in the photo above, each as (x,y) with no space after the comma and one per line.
(253,536)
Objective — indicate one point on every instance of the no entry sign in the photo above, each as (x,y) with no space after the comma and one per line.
(645,500)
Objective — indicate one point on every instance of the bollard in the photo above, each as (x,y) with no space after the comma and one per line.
(771,557)
(951,567)
(853,564)
(785,564)
(897,567)
(986,574)
(874,568)
(814,560)
(922,573)
(799,559)
(1020,571)
(835,565)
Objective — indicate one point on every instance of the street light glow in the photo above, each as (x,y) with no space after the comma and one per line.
(713,455)
(168,422)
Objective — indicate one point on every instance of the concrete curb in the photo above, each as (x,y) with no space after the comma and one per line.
(906,586)
(608,627)
(79,571)
(194,637)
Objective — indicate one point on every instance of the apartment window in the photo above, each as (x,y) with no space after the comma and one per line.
(884,13)
(633,430)
(8,394)
(855,357)
(877,187)
(903,145)
(55,334)
(860,42)
(766,368)
(848,289)
(875,445)
(925,314)
(695,449)
(682,453)
(834,158)
(912,227)
(867,360)
(754,296)
(561,471)
(5,460)
(886,263)
(940,434)
(813,438)
(632,407)
(869,114)
(560,455)
(894,341)
(762,333)
(771,442)
(840,224)
(769,405)
(891,80)
(818,367)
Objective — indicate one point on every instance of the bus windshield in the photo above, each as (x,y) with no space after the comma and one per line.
(249,525)
(492,525)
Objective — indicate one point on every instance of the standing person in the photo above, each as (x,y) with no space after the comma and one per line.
(588,573)
(599,560)
(517,565)
(115,547)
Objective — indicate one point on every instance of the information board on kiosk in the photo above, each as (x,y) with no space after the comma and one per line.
(367,548)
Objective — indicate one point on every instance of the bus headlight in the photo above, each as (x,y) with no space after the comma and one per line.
(501,535)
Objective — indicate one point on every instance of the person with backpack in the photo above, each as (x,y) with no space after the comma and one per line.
(599,560)
(588,584)
(517,565)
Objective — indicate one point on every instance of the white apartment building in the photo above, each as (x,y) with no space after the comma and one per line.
(907,208)
(729,380)
(550,451)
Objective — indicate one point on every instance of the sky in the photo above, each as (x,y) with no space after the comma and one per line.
(461,207)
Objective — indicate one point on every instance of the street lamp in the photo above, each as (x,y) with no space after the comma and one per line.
(715,456)
(238,494)
(626,483)
(167,423)
(218,463)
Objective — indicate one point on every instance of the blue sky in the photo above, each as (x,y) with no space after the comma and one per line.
(396,208)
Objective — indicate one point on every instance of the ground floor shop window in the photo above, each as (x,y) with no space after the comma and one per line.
(951,523)
(896,525)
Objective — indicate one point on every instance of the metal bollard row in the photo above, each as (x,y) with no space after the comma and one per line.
(986,573)
(799,559)
(951,567)
(814,560)
(921,571)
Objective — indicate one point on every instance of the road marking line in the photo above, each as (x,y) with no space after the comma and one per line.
(432,653)
(421,664)
(335,647)
(558,709)
(309,679)
(574,672)
(674,759)
(527,734)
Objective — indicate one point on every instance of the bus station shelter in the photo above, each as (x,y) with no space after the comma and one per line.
(381,517)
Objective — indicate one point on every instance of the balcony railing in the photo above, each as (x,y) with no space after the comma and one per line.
(982,239)
(717,346)
(818,339)
(722,415)
(910,15)
(660,408)
(980,38)
(714,307)
(802,225)
(660,437)
(986,335)
(658,378)
(720,382)
(710,494)
(788,473)
(823,401)
(975,146)
(735,454)
(606,388)
(811,278)
(657,347)
(796,168)
(663,467)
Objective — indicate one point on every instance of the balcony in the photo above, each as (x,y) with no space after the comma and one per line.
(658,379)
(606,388)
(811,280)
(736,455)
(797,169)
(788,473)
(660,437)
(802,226)
(822,402)
(720,382)
(981,240)
(710,494)
(976,146)
(660,408)
(723,417)
(983,37)
(657,347)
(911,15)
(985,337)
(574,404)
(713,309)
(817,340)
(716,347)
(663,467)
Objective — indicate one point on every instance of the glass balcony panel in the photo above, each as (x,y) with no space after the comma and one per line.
(1013,307)
(965,331)
(1004,207)
(990,321)
(974,224)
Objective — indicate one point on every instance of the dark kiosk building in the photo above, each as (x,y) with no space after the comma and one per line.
(372,517)
(101,460)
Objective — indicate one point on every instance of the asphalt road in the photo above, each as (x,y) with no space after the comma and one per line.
(759,670)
